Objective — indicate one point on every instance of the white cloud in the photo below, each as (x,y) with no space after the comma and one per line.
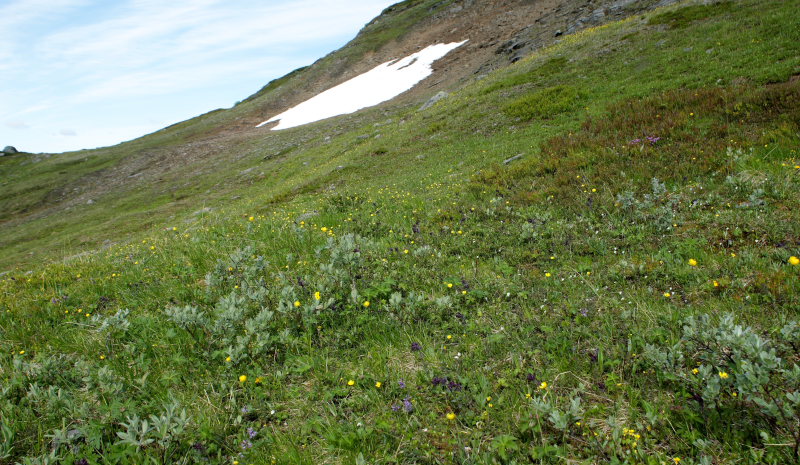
(85,58)
(17,124)
(20,13)
(68,132)
(18,16)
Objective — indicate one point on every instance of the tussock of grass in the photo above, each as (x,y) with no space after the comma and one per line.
(551,67)
(546,103)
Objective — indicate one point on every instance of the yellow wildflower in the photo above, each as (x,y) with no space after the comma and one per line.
(451,416)
(351,382)
(242,378)
(692,262)
(366,303)
(794,260)
(723,375)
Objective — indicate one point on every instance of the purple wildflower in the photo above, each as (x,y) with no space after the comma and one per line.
(531,378)
(402,384)
(415,347)
(251,432)
(454,386)
(245,409)
(449,384)
(395,408)
(246,444)
(407,405)
(635,141)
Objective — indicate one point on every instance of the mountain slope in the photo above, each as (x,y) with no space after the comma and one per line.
(587,256)
(57,205)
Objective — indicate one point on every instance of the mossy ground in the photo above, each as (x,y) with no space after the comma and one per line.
(492,289)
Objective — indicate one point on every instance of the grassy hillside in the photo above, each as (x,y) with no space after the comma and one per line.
(56,206)
(625,291)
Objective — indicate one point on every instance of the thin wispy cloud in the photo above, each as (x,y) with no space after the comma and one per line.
(17,124)
(85,57)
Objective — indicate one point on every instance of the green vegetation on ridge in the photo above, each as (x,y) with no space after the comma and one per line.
(623,293)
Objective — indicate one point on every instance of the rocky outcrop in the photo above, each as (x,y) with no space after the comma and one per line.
(8,150)
(441,95)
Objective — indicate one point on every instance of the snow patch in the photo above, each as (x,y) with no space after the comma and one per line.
(382,83)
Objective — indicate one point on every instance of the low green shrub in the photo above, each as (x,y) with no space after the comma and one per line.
(546,103)
(732,371)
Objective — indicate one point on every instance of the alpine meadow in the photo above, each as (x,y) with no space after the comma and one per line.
(585,253)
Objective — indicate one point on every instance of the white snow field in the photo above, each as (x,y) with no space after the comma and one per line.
(378,85)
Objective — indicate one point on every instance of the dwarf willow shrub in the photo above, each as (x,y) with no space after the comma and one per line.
(165,430)
(248,319)
(189,318)
(241,266)
(723,365)
(656,207)
(560,419)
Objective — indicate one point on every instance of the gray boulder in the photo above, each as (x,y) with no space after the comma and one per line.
(9,150)
(433,100)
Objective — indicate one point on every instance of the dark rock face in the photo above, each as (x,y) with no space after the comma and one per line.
(550,22)
(8,150)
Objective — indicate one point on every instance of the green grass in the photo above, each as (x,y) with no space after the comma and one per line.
(546,103)
(569,266)
(682,17)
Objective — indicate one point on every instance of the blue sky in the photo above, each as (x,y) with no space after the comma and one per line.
(90,73)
